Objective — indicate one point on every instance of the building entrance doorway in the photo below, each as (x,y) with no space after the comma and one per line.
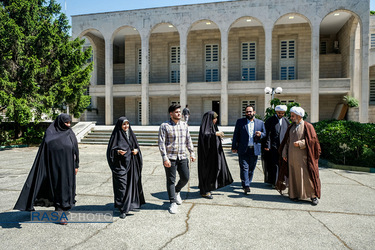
(216,108)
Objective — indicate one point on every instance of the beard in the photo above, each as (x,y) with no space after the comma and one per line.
(249,117)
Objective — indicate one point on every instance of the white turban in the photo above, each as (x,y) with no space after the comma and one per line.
(298,111)
(282,108)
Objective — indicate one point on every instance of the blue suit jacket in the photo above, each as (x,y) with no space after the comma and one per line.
(241,136)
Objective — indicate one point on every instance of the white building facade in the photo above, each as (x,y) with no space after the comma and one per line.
(221,56)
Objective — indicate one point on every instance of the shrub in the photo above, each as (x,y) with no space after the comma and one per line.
(33,133)
(352,102)
(347,142)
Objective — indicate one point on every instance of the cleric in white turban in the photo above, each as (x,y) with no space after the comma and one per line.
(281,108)
(276,127)
(300,152)
(298,111)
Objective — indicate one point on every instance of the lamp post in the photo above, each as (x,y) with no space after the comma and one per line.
(273,91)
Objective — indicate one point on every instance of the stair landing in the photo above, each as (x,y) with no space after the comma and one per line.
(146,135)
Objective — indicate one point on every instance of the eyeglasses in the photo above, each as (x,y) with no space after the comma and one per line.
(249,111)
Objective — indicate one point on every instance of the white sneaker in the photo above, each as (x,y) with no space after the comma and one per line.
(178,198)
(173,208)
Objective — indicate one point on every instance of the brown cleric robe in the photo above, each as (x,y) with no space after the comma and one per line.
(301,172)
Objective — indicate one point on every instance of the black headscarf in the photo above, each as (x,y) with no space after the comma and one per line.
(213,171)
(51,181)
(119,141)
(126,169)
(207,135)
(60,121)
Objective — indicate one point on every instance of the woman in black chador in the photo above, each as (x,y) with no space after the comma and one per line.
(213,171)
(125,160)
(52,178)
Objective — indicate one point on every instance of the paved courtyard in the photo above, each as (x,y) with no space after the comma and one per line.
(344,218)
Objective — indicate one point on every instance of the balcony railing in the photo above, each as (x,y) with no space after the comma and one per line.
(299,86)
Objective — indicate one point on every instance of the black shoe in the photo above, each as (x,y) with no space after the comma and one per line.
(207,196)
(294,199)
(314,201)
(246,190)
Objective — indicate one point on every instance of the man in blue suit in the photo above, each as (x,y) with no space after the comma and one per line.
(247,143)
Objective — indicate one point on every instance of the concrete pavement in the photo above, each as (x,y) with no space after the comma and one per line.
(344,218)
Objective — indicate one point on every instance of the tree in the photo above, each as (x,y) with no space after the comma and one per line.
(270,111)
(41,68)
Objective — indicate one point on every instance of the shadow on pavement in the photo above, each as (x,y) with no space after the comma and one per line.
(236,189)
(236,192)
(101,208)
(151,206)
(14,219)
(161,195)
(110,207)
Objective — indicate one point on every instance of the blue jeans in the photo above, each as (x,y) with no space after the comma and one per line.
(248,162)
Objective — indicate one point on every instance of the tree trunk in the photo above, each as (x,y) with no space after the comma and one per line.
(17,131)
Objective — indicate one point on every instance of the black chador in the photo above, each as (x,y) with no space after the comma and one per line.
(272,141)
(126,169)
(52,180)
(213,171)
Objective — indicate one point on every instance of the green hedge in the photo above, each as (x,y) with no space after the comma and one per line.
(32,133)
(347,142)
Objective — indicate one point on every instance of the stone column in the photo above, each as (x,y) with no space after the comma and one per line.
(224,78)
(94,73)
(108,81)
(145,80)
(183,69)
(356,65)
(314,97)
(365,81)
(268,64)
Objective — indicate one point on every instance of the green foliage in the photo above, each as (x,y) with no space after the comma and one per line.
(41,68)
(33,133)
(270,111)
(6,137)
(372,12)
(347,142)
(352,102)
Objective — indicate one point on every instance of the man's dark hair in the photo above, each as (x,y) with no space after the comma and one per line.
(251,106)
(173,107)
(187,105)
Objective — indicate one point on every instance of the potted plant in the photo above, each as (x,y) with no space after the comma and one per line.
(353,105)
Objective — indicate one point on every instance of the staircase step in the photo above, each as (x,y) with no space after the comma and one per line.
(105,140)
(145,137)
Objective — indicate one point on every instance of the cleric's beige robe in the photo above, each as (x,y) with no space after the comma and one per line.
(300,184)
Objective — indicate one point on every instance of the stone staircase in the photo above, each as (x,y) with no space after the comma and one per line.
(146,135)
